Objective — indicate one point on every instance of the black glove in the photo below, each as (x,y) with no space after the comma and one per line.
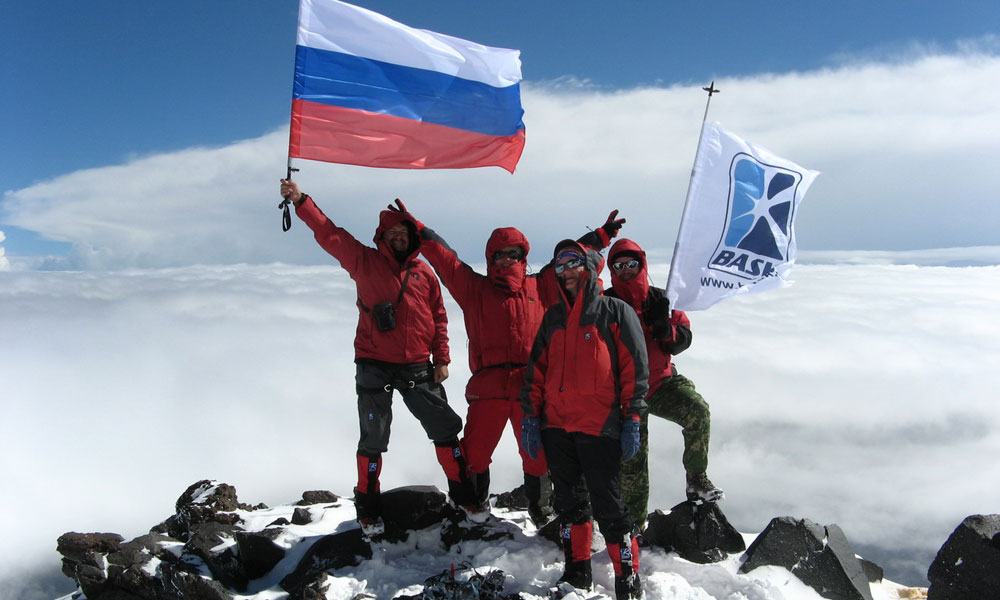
(400,207)
(612,225)
(656,315)
(657,309)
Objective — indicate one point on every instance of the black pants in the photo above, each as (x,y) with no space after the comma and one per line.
(425,399)
(586,475)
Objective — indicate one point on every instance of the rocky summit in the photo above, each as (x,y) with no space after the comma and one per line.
(217,548)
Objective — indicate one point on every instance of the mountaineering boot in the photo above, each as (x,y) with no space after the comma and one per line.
(475,513)
(625,561)
(481,485)
(700,487)
(460,488)
(367,494)
(371,526)
(628,587)
(539,492)
(576,539)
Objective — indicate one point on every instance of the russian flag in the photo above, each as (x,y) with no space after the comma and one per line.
(370,91)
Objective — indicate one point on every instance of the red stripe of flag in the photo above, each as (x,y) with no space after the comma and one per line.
(341,135)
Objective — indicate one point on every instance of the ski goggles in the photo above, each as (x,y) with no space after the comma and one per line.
(511,254)
(626,264)
(570,264)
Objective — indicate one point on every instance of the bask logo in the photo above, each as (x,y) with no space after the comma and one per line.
(758,219)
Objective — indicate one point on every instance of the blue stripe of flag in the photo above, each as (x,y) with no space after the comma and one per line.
(339,79)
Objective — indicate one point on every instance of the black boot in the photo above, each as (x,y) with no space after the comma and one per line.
(627,587)
(539,493)
(625,561)
(481,484)
(578,572)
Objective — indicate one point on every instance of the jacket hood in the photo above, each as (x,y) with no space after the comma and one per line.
(589,286)
(633,291)
(388,219)
(511,277)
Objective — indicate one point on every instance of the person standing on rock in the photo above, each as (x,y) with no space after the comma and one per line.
(582,402)
(502,310)
(671,395)
(401,344)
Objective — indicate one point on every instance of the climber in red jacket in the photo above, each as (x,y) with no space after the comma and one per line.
(401,343)
(583,399)
(502,310)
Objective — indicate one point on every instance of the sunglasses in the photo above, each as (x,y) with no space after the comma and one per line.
(572,264)
(629,264)
(511,254)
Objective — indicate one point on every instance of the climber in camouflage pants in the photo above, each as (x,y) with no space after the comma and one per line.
(672,396)
(676,400)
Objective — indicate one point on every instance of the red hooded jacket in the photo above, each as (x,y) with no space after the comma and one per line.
(421,322)
(588,366)
(502,309)
(674,333)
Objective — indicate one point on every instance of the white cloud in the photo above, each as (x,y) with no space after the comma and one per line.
(862,396)
(4,262)
(904,146)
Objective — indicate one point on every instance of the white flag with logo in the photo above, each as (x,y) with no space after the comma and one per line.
(737,234)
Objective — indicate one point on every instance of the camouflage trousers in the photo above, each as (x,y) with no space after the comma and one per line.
(676,400)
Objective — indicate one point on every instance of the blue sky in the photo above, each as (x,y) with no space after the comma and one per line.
(103,85)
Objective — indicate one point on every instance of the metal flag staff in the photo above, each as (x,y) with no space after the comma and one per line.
(687,197)
(286,215)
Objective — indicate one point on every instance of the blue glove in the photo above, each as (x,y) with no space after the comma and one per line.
(531,436)
(630,439)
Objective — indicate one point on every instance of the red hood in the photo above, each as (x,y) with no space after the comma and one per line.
(510,277)
(633,291)
(390,218)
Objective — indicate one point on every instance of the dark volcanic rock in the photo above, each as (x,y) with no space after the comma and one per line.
(258,552)
(301,516)
(516,499)
(412,508)
(968,564)
(819,556)
(697,532)
(318,497)
(330,552)
(203,502)
(873,572)
(214,543)
(85,549)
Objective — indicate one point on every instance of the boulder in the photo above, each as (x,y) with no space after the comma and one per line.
(258,552)
(318,497)
(301,516)
(85,559)
(457,530)
(202,502)
(699,533)
(85,549)
(516,499)
(819,556)
(329,552)
(873,572)
(215,544)
(411,508)
(968,564)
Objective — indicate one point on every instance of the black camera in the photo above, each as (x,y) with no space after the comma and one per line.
(385,316)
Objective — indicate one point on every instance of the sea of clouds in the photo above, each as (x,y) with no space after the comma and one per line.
(859,396)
